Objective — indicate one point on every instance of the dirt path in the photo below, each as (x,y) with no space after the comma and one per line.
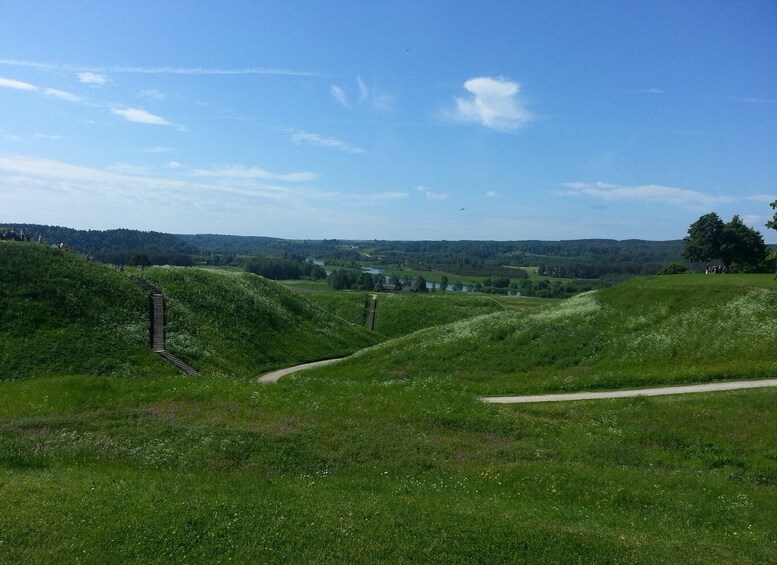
(275,375)
(709,387)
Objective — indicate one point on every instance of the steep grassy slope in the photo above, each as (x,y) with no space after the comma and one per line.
(60,314)
(652,330)
(241,324)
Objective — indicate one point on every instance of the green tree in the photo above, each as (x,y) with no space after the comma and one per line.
(704,239)
(733,243)
(742,246)
(773,222)
(444,283)
(419,284)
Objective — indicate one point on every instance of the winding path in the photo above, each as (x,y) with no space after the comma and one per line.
(708,387)
(275,375)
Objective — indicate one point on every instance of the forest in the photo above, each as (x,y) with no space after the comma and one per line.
(586,259)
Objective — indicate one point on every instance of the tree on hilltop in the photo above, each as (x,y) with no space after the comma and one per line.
(732,243)
(704,238)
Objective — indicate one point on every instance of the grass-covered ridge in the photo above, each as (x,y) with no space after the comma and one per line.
(60,314)
(652,330)
(241,324)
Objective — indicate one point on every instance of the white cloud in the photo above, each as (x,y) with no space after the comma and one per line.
(339,95)
(47,136)
(387,195)
(242,172)
(752,220)
(300,136)
(74,184)
(768,198)
(368,96)
(100,70)
(140,116)
(646,193)
(62,95)
(16,84)
(152,94)
(158,149)
(492,194)
(94,79)
(431,194)
(174,165)
(493,102)
(127,169)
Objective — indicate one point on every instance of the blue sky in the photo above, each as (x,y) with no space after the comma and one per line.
(389,120)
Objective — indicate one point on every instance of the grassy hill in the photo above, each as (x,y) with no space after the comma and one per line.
(393,458)
(60,314)
(241,324)
(682,328)
(403,313)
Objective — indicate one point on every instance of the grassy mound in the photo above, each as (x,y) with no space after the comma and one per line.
(652,330)
(400,314)
(241,324)
(60,314)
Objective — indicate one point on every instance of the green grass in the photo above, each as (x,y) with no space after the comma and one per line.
(240,324)
(388,456)
(345,304)
(653,330)
(326,470)
(403,313)
(60,314)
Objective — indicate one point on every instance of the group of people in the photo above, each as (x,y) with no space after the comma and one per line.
(10,234)
(715,269)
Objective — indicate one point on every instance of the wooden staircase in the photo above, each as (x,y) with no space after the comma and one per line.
(373,305)
(158,328)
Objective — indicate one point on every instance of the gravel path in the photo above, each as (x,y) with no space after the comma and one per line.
(275,375)
(709,387)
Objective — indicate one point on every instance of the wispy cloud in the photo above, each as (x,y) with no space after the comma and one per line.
(16,84)
(492,194)
(646,193)
(431,194)
(45,178)
(386,195)
(368,96)
(301,136)
(129,69)
(152,94)
(141,116)
(62,95)
(243,172)
(767,198)
(338,94)
(92,79)
(492,102)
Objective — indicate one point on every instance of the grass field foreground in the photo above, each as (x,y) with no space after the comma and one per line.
(215,470)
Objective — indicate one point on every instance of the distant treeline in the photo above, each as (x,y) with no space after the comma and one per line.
(284,268)
(569,259)
(120,246)
(572,259)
